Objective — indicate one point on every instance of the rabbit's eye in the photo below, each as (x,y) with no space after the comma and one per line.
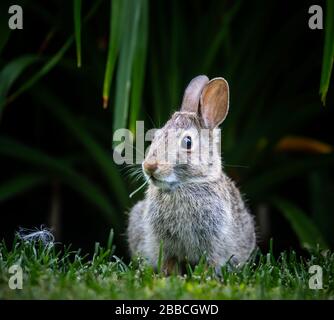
(186,142)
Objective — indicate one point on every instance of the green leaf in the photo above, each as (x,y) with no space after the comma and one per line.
(11,72)
(307,232)
(50,64)
(115,32)
(97,152)
(60,169)
(174,46)
(19,184)
(47,67)
(220,37)
(77,28)
(328,56)
(321,190)
(261,183)
(130,23)
(158,93)
(274,126)
(138,75)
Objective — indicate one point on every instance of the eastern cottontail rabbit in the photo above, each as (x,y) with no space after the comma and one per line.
(192,208)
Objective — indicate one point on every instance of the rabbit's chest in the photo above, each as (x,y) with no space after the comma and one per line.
(186,228)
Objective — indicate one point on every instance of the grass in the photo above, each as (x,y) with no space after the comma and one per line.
(59,273)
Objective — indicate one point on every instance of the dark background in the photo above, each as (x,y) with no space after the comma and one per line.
(266,51)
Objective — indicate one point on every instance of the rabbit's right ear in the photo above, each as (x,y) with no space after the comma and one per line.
(214,102)
(192,94)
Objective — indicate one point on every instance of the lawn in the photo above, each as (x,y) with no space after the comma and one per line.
(57,272)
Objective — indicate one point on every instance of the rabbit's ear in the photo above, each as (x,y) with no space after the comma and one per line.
(192,94)
(214,102)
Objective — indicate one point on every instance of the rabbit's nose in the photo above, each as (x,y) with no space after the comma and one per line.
(150,166)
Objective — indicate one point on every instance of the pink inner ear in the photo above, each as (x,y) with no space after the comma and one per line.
(215,102)
(192,94)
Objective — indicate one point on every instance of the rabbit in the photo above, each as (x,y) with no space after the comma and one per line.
(191,209)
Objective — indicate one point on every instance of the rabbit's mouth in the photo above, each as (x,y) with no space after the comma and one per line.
(163,183)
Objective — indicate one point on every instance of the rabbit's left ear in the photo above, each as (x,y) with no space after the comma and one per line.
(214,102)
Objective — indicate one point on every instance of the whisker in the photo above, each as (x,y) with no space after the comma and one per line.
(133,166)
(135,174)
(138,189)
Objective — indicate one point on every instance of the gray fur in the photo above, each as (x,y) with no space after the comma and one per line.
(202,212)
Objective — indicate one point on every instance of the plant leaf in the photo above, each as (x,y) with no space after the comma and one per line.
(77,28)
(50,64)
(11,72)
(303,144)
(256,186)
(19,184)
(328,56)
(307,232)
(60,169)
(138,74)
(97,152)
(115,31)
(221,35)
(321,190)
(124,72)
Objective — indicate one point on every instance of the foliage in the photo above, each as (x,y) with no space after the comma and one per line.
(140,55)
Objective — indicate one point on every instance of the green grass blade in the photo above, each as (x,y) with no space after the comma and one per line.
(328,56)
(97,152)
(138,74)
(115,31)
(11,72)
(60,169)
(19,184)
(158,94)
(160,258)
(110,239)
(304,227)
(77,28)
(130,23)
